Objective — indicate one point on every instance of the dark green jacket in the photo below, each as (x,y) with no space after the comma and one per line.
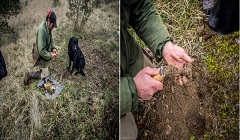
(44,44)
(147,23)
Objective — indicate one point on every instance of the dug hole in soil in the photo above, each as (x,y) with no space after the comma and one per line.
(176,112)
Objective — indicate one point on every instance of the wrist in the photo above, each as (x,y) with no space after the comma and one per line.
(167,48)
(167,45)
(52,55)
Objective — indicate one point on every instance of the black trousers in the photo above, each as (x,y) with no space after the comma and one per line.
(3,69)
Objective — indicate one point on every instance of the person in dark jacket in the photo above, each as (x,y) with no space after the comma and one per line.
(135,76)
(3,69)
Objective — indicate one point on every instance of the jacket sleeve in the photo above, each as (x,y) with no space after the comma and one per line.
(149,26)
(128,95)
(42,50)
(52,45)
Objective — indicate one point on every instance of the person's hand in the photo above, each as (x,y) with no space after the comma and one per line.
(54,53)
(145,84)
(175,55)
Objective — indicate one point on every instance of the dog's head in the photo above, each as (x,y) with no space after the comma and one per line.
(73,44)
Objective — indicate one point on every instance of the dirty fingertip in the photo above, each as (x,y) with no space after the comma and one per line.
(191,61)
(184,79)
(180,81)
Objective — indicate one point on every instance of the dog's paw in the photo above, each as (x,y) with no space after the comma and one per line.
(76,73)
(71,71)
(83,74)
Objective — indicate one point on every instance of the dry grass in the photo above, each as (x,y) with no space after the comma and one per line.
(80,110)
(182,20)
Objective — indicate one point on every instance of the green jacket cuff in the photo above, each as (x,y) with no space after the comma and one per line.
(128,95)
(159,49)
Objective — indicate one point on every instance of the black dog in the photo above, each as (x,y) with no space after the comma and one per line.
(75,55)
(224,17)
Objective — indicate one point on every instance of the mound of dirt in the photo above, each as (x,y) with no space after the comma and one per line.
(176,112)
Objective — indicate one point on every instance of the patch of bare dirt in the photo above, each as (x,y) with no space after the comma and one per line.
(176,112)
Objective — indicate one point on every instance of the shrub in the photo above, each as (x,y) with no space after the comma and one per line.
(80,10)
(8,8)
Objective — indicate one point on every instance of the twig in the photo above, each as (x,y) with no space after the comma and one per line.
(179,105)
(62,75)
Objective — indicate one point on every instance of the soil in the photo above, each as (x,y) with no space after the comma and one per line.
(176,112)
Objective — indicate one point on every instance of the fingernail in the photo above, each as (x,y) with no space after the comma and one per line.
(191,61)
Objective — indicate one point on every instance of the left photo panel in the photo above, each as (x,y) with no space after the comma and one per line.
(59,69)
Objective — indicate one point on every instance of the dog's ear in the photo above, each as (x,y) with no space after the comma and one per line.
(77,41)
(69,49)
(69,43)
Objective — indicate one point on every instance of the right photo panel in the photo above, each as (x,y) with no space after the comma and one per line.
(179,69)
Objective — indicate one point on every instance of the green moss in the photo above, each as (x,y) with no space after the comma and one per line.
(221,54)
(223,70)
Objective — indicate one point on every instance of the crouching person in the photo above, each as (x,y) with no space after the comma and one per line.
(3,69)
(43,48)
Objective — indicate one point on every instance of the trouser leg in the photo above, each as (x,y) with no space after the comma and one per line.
(3,65)
(44,72)
(1,72)
(128,127)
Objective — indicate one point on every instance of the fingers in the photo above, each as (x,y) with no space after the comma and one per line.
(55,51)
(181,55)
(181,80)
(53,55)
(148,97)
(151,92)
(145,84)
(181,58)
(152,71)
(157,85)
(186,58)
(185,79)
